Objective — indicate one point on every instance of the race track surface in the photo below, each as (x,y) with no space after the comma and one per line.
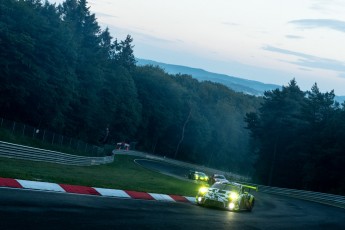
(25,209)
(164,167)
(32,209)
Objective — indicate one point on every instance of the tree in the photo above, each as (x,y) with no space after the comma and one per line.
(321,116)
(275,129)
(125,56)
(35,91)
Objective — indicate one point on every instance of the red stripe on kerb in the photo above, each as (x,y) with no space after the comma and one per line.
(179,198)
(139,195)
(8,182)
(79,189)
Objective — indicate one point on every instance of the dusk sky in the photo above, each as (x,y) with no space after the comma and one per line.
(270,41)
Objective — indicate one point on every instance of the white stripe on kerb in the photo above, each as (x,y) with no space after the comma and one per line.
(41,185)
(162,197)
(191,199)
(112,192)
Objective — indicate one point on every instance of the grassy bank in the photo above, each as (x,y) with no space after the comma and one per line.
(123,173)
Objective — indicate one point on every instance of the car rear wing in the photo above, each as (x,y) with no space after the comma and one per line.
(250,187)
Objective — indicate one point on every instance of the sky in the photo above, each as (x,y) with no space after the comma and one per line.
(271,41)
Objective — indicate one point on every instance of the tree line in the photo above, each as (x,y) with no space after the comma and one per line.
(60,70)
(299,139)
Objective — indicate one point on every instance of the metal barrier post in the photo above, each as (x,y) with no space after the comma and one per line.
(14,125)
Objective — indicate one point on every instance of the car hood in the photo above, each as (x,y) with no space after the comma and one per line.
(217,194)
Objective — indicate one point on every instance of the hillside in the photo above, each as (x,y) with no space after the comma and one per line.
(250,87)
(237,84)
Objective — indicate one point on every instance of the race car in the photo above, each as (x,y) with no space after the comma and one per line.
(216,178)
(195,175)
(227,195)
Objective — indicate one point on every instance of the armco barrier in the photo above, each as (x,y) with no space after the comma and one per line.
(10,150)
(325,198)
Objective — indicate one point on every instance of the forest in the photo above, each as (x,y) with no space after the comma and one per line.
(61,71)
(299,138)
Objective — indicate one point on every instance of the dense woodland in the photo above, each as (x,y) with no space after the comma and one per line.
(61,71)
(300,139)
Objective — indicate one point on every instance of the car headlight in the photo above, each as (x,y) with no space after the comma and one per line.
(231,206)
(233,196)
(203,190)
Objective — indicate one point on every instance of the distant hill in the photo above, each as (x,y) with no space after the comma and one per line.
(340,99)
(237,84)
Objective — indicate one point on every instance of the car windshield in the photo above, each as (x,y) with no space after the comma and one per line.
(227,187)
(201,174)
(219,176)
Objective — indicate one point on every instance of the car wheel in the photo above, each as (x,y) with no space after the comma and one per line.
(251,206)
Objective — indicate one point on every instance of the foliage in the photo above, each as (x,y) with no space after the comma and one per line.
(298,136)
(60,71)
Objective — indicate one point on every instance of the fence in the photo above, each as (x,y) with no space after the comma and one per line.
(325,198)
(51,138)
(10,150)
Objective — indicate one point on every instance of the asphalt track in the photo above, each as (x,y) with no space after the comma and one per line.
(164,167)
(27,209)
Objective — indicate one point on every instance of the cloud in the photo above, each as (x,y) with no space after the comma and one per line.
(321,5)
(310,61)
(293,36)
(140,34)
(105,15)
(283,51)
(230,24)
(320,23)
(305,69)
(342,75)
(327,6)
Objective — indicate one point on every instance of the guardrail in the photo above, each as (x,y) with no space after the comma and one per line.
(10,150)
(324,198)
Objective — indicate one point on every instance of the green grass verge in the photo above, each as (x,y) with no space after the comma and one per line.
(123,173)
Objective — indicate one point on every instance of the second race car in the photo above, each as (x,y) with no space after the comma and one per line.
(216,178)
(195,175)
